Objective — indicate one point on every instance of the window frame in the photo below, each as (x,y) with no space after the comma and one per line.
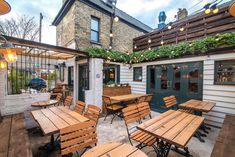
(92,30)
(134,71)
(215,73)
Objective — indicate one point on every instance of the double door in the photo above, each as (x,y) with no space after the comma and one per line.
(182,80)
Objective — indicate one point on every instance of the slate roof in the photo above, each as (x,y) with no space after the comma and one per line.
(103,7)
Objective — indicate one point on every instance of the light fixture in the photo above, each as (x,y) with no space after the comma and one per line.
(149,48)
(162,42)
(5,7)
(207,8)
(135,47)
(3,64)
(232,9)
(149,41)
(214,8)
(181,29)
(9,51)
(116,19)
(111,35)
(169,27)
(110,47)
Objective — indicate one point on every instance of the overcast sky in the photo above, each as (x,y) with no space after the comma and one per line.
(146,11)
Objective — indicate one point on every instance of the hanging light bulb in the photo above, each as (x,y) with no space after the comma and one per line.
(207,8)
(149,48)
(10,56)
(169,27)
(182,29)
(110,47)
(3,64)
(135,47)
(9,52)
(149,41)
(111,35)
(162,42)
(116,19)
(214,8)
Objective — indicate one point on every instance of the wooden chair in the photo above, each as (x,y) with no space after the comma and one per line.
(144,109)
(68,101)
(111,108)
(131,115)
(78,137)
(59,98)
(149,98)
(171,103)
(93,113)
(80,107)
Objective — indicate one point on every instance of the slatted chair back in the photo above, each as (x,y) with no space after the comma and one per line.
(93,113)
(68,101)
(170,101)
(131,114)
(141,99)
(106,100)
(59,97)
(80,107)
(144,109)
(149,98)
(78,137)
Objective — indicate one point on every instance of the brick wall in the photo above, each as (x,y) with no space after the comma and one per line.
(76,26)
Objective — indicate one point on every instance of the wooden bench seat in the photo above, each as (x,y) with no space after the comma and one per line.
(14,137)
(143,137)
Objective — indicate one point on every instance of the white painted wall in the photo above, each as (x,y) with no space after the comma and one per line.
(223,95)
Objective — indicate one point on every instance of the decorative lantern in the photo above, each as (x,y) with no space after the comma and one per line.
(9,52)
(232,9)
(4,7)
(3,64)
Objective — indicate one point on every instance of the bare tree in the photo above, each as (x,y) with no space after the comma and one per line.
(23,27)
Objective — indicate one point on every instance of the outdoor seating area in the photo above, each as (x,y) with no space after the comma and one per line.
(114,84)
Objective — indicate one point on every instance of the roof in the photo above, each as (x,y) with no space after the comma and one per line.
(102,6)
(56,52)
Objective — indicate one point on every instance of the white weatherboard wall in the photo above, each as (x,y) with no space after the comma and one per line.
(222,95)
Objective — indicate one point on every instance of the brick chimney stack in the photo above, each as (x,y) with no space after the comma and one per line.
(182,13)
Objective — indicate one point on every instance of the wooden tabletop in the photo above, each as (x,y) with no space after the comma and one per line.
(114,150)
(51,120)
(44,103)
(224,146)
(174,127)
(126,97)
(198,105)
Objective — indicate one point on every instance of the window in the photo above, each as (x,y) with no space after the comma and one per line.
(137,73)
(111,74)
(225,72)
(70,77)
(95,29)
(152,77)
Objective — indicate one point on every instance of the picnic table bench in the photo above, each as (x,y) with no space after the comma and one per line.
(224,146)
(14,137)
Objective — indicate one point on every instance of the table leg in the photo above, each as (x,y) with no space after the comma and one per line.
(162,148)
(52,146)
(198,136)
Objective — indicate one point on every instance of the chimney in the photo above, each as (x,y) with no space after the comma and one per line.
(162,19)
(182,13)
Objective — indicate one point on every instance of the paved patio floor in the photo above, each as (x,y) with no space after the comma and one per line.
(116,132)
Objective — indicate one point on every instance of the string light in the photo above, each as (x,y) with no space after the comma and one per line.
(135,47)
(215,9)
(182,29)
(149,48)
(169,27)
(110,47)
(207,8)
(162,42)
(116,19)
(111,35)
(149,41)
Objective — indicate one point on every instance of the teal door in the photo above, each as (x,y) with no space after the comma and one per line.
(182,80)
(83,81)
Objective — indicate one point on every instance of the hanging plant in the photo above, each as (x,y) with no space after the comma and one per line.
(195,47)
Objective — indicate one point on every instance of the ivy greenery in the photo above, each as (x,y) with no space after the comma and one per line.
(195,47)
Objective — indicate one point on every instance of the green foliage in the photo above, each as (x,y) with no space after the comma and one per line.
(51,79)
(195,47)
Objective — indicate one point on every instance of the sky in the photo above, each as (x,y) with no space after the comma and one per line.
(146,11)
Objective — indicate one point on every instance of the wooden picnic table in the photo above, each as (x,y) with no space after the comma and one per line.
(224,146)
(44,104)
(114,150)
(198,105)
(51,120)
(172,128)
(127,97)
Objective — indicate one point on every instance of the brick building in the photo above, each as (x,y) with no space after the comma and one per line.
(85,23)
